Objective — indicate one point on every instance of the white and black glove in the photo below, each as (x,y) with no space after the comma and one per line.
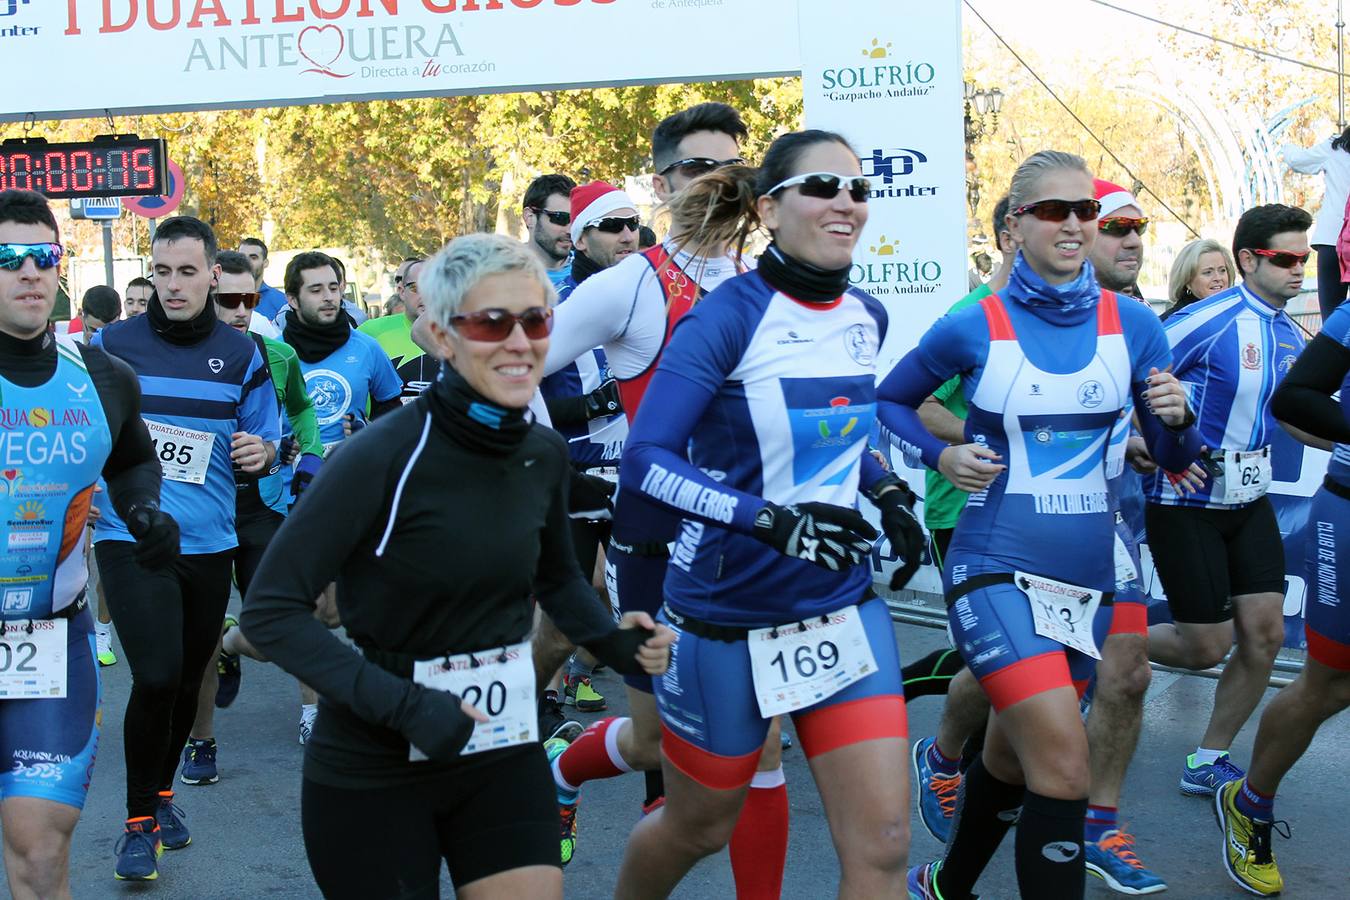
(832,537)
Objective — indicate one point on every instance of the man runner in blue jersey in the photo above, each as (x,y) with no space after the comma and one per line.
(59,437)
(1218,551)
(208,402)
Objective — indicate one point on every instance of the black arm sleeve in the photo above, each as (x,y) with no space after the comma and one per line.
(380,407)
(567,412)
(132,471)
(1303,399)
(278,611)
(567,596)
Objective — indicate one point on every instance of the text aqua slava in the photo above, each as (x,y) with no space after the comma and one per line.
(166,15)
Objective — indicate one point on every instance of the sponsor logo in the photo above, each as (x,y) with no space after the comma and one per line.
(878,50)
(8,9)
(1035,390)
(1287,363)
(30,511)
(1060,851)
(884,167)
(1251,357)
(892,275)
(215,365)
(331,393)
(18,600)
(1091,394)
(27,540)
(878,80)
(12,418)
(78,391)
(859,348)
(794,338)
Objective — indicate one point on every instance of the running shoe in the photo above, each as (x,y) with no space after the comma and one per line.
(307,716)
(1112,859)
(649,808)
(1247,854)
(567,805)
(579,693)
(138,851)
(199,762)
(173,831)
(922,882)
(228,671)
(1203,780)
(936,792)
(552,723)
(103,645)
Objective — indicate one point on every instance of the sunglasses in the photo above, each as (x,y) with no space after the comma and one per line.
(44,256)
(1058,210)
(556,216)
(231,301)
(616,224)
(695,166)
(1119,226)
(497,324)
(1282,258)
(826,186)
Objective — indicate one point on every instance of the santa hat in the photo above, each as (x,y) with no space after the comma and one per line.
(1112,197)
(592,202)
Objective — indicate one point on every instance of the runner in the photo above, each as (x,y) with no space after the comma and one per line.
(727,379)
(415,368)
(346,374)
(461,477)
(546,211)
(1218,552)
(1245,807)
(137,296)
(48,743)
(272,301)
(260,508)
(1053,428)
(209,407)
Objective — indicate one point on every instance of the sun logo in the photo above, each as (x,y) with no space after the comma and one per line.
(884,247)
(30,511)
(877,51)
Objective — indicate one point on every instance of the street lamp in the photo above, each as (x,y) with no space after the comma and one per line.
(983,103)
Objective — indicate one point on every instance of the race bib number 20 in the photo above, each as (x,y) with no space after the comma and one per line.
(497,682)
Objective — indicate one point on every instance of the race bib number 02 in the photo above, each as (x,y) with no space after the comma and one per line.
(798,665)
(183,454)
(1062,612)
(33,663)
(499,683)
(1246,475)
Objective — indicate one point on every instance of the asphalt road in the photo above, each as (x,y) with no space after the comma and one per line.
(247,841)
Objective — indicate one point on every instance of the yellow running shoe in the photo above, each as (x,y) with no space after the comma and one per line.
(578,692)
(1246,845)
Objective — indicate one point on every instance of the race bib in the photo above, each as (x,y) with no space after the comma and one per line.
(1246,476)
(33,664)
(183,454)
(499,683)
(1062,612)
(1125,571)
(798,665)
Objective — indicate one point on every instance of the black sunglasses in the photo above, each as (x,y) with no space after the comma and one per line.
(695,166)
(556,216)
(1058,210)
(232,300)
(616,224)
(827,185)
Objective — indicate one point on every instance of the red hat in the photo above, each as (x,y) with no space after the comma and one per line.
(1112,197)
(592,202)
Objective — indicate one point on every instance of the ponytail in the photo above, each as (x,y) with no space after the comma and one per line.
(716,209)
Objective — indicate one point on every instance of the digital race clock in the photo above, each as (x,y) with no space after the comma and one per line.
(107,166)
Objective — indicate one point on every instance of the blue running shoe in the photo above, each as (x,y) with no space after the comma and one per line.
(138,851)
(173,831)
(1204,780)
(199,762)
(1112,859)
(936,792)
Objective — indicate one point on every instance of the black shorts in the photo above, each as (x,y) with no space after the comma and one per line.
(495,813)
(255,530)
(1206,557)
(588,536)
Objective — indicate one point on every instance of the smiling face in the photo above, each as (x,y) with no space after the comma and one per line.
(320,298)
(815,230)
(1056,250)
(27,294)
(506,372)
(235,283)
(1211,275)
(182,277)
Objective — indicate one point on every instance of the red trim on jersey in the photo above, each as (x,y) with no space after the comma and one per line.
(682,292)
(1328,651)
(1108,315)
(1129,618)
(815,306)
(1027,678)
(721,773)
(1000,326)
(844,724)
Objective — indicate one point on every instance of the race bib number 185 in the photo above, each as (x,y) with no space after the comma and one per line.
(183,454)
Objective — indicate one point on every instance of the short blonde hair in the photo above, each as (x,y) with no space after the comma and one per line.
(467,260)
(1187,264)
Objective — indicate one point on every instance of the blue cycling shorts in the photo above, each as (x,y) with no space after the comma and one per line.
(1327,616)
(636,578)
(1130,612)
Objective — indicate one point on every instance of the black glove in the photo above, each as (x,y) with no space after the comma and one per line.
(434,723)
(287,450)
(830,536)
(900,525)
(604,401)
(619,648)
(590,497)
(156,535)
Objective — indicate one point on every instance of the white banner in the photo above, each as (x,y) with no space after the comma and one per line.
(891,84)
(155,55)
